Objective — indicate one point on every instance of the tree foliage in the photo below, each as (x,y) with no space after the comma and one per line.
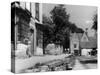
(95,22)
(60,18)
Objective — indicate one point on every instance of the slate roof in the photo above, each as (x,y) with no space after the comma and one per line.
(92,43)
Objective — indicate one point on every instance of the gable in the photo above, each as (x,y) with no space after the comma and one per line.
(84,38)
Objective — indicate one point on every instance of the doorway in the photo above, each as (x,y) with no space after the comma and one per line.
(76,52)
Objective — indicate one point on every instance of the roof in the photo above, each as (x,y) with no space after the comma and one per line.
(84,38)
(43,27)
(91,43)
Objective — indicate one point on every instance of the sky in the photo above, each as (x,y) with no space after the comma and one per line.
(80,15)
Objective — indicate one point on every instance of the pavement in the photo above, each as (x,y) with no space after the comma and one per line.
(84,58)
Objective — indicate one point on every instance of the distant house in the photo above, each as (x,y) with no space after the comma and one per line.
(79,41)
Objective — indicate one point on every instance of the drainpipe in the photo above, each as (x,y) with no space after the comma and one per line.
(16,32)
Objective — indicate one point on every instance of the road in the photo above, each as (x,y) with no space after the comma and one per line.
(22,64)
(67,63)
(81,66)
(78,65)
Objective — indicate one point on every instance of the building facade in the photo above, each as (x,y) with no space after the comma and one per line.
(79,41)
(26,16)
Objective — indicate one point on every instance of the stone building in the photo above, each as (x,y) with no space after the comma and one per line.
(25,18)
(79,41)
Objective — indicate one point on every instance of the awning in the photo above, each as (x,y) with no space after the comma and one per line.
(43,27)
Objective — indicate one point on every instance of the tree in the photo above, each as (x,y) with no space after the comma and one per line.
(95,22)
(60,18)
(47,33)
